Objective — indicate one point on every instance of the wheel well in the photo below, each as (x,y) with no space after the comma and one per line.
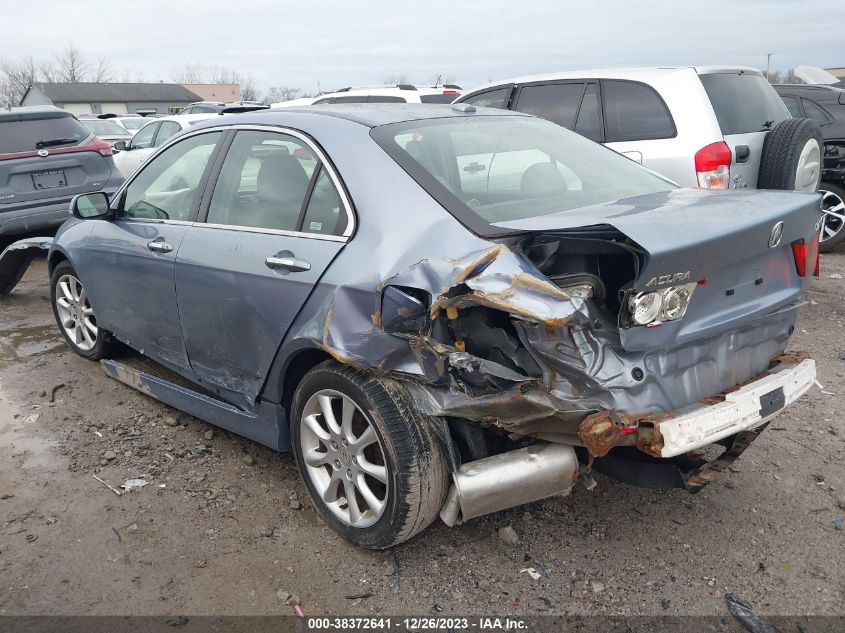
(300,365)
(55,259)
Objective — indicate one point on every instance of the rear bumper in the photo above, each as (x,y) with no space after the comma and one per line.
(745,408)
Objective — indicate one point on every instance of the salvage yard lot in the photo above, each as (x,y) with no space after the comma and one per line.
(224,525)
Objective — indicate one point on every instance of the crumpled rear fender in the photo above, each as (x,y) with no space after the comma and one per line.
(15,259)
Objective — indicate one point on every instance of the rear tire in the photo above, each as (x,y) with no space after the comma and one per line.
(75,316)
(403,452)
(833,229)
(792,156)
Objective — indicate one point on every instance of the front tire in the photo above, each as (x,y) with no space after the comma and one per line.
(369,458)
(75,316)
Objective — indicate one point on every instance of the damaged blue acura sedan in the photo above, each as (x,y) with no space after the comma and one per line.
(440,310)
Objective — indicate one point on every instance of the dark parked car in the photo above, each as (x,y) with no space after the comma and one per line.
(46,158)
(826,106)
(441,310)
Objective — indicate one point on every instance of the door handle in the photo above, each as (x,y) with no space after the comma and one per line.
(160,246)
(294,264)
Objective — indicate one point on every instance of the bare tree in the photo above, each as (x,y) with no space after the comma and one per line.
(281,93)
(190,74)
(16,77)
(400,78)
(248,90)
(71,66)
(202,73)
(102,73)
(439,79)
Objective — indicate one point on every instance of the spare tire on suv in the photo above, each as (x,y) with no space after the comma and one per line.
(792,156)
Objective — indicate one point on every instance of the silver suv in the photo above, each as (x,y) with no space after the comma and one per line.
(710,127)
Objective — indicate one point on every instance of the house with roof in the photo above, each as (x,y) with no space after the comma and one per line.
(111,98)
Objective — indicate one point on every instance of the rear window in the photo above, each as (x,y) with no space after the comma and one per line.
(134,123)
(104,128)
(486,169)
(634,112)
(22,136)
(490,99)
(384,99)
(744,102)
(441,98)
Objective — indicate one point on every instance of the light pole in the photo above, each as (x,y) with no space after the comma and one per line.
(768,61)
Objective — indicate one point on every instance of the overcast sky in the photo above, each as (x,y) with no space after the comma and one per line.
(341,43)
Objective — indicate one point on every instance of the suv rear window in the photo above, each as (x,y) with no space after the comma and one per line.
(634,112)
(744,102)
(22,136)
(441,98)
(557,103)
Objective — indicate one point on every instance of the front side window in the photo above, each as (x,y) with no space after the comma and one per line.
(167,187)
(486,169)
(634,112)
(143,138)
(265,183)
(490,99)
(557,103)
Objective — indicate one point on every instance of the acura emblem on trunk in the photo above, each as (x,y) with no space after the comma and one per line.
(42,153)
(777,233)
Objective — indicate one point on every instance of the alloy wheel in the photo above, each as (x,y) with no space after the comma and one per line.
(832,225)
(75,313)
(344,458)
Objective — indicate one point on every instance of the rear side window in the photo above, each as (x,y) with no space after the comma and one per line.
(491,99)
(744,102)
(353,99)
(815,112)
(557,103)
(25,136)
(635,112)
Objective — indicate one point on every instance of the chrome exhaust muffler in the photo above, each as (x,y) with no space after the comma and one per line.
(510,479)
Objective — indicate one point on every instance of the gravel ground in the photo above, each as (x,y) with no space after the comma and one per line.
(224,525)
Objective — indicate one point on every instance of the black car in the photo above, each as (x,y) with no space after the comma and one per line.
(47,157)
(826,106)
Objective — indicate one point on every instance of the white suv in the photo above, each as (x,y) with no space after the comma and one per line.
(402,93)
(709,127)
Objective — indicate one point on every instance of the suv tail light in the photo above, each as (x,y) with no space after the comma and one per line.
(713,166)
(806,256)
(98,145)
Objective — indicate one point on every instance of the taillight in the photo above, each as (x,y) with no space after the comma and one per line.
(806,256)
(98,145)
(713,166)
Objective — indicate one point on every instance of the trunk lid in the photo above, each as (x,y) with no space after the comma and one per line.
(720,239)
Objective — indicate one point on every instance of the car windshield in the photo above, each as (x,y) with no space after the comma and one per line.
(134,123)
(103,127)
(503,168)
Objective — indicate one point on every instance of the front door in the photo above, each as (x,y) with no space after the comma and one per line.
(274,223)
(129,265)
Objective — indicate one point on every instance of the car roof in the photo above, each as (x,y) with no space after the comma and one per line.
(20,113)
(810,87)
(367,114)
(187,118)
(640,73)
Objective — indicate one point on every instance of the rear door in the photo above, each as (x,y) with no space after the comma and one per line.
(48,155)
(275,219)
(129,261)
(747,107)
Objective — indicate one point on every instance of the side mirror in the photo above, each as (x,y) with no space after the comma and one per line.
(119,146)
(90,206)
